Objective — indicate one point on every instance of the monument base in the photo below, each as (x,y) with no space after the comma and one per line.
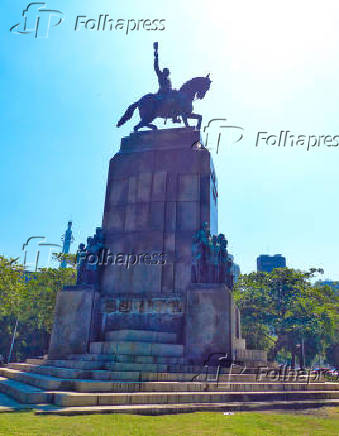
(209,322)
(74,321)
(160,219)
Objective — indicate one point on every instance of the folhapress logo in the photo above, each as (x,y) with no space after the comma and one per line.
(38,20)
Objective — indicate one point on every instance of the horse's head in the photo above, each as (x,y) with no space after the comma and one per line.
(197,87)
(204,86)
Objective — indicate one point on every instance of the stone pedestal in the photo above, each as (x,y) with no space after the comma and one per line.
(161,191)
(209,322)
(74,321)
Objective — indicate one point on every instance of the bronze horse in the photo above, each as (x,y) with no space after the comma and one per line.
(178,103)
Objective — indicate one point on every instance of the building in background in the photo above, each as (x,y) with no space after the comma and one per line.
(332,284)
(267,263)
(235,269)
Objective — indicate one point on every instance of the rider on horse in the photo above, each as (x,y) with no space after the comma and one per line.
(165,85)
(168,103)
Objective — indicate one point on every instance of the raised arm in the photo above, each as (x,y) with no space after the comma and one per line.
(156,58)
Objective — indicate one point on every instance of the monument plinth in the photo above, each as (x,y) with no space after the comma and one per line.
(154,280)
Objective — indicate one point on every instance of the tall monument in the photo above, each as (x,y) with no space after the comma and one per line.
(156,278)
(67,240)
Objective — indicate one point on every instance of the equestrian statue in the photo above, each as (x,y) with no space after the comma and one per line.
(168,103)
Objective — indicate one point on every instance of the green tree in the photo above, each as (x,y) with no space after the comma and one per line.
(70,258)
(286,306)
(42,289)
(29,298)
(12,287)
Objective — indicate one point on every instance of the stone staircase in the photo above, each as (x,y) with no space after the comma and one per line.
(144,372)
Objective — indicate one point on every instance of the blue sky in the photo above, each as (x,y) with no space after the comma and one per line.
(274,67)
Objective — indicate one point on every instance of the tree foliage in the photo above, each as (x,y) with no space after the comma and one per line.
(12,287)
(42,288)
(69,258)
(30,299)
(286,306)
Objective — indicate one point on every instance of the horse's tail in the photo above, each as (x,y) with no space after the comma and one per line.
(128,114)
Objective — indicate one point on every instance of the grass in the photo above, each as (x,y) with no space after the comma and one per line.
(324,423)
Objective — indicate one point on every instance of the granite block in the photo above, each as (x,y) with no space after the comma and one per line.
(182,276)
(208,322)
(157,215)
(132,189)
(130,220)
(169,246)
(142,216)
(144,186)
(171,188)
(188,216)
(183,248)
(72,321)
(171,213)
(188,187)
(159,185)
(118,191)
(115,221)
(147,278)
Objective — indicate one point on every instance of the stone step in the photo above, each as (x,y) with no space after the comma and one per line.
(67,373)
(20,366)
(76,364)
(141,336)
(90,386)
(71,373)
(143,367)
(140,367)
(161,360)
(96,361)
(119,382)
(127,374)
(99,361)
(165,409)
(64,363)
(113,373)
(36,361)
(38,380)
(104,383)
(8,404)
(133,348)
(24,393)
(128,358)
(93,357)
(163,368)
(74,399)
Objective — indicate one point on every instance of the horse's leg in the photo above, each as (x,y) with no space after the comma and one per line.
(151,126)
(147,115)
(196,117)
(184,118)
(139,125)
